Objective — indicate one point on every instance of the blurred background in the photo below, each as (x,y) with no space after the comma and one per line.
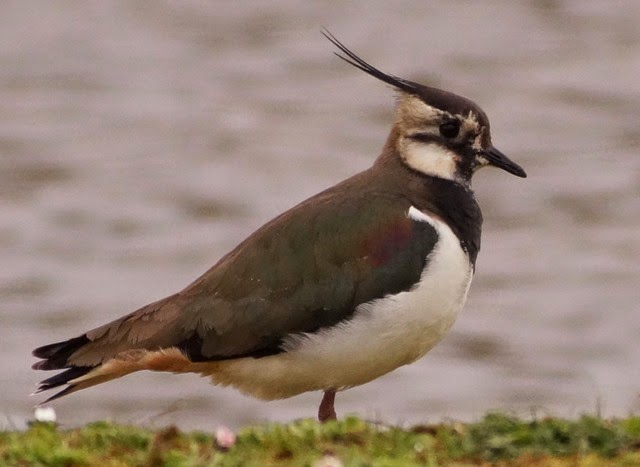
(140,141)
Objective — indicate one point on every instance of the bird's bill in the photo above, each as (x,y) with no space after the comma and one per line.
(497,159)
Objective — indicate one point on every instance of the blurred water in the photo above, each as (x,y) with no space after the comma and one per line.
(141,141)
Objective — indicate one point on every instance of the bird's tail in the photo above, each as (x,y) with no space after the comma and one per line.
(77,377)
(82,377)
(56,357)
(147,339)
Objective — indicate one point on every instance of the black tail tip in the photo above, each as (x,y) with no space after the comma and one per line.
(63,347)
(55,356)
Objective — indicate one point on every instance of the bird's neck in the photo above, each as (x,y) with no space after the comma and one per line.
(452,202)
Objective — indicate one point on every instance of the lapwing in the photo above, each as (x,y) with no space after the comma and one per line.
(352,283)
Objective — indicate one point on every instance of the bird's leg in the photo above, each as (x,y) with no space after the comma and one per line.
(326,410)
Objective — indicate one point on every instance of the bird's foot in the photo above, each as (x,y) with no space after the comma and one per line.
(326,410)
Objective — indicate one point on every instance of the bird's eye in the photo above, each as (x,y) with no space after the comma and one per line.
(450,129)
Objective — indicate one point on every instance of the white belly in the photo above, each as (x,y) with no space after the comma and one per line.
(381,336)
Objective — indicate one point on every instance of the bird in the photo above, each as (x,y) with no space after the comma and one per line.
(345,287)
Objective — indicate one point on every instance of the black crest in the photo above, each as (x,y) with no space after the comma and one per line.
(438,98)
(400,83)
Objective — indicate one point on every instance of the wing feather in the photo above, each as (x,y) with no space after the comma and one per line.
(307,269)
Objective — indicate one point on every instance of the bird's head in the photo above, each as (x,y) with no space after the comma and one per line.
(436,132)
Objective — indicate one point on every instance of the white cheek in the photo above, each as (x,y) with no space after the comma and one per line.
(430,159)
(481,162)
(477,144)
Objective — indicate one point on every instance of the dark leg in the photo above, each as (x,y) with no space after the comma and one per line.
(326,410)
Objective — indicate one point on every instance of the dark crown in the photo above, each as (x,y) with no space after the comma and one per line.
(443,100)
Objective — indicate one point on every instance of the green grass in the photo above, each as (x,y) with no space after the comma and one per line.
(497,439)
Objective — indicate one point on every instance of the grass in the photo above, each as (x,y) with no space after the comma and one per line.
(497,439)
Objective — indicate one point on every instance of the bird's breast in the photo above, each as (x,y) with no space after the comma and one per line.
(398,329)
(381,335)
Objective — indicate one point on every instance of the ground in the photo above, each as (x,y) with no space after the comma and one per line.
(497,439)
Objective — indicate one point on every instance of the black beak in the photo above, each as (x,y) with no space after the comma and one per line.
(498,159)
